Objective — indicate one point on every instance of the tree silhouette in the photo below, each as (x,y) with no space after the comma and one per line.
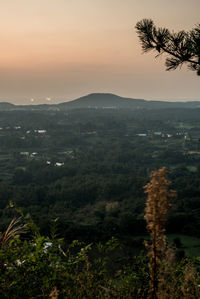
(181,47)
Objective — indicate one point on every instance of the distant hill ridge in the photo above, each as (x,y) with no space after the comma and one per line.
(6,105)
(103,101)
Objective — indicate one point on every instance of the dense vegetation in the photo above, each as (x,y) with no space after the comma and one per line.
(34,266)
(88,167)
(80,175)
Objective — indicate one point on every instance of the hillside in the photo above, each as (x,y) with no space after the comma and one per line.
(6,106)
(112,101)
(103,100)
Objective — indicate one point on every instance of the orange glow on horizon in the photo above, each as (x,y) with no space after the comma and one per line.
(73,46)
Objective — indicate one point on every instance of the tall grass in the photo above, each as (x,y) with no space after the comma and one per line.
(15,228)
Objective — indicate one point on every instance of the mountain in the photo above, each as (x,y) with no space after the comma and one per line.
(103,101)
(112,101)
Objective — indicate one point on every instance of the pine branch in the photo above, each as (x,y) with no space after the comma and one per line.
(182,47)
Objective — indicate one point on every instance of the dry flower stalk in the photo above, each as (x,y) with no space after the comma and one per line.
(54,294)
(157,204)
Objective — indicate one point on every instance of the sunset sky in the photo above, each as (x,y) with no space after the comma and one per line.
(58,50)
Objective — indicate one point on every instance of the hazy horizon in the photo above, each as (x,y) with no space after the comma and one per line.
(56,51)
(57,101)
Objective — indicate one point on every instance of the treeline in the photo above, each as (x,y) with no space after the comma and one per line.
(97,201)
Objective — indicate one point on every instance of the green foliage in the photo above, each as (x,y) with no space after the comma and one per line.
(34,267)
(37,266)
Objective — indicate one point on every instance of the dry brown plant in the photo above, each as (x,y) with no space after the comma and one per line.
(54,294)
(190,286)
(157,204)
(14,229)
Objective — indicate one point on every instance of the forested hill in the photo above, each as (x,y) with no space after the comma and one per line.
(7,106)
(103,101)
(107,100)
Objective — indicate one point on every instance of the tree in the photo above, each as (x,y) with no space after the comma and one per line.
(181,47)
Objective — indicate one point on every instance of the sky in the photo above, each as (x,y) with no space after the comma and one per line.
(58,50)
